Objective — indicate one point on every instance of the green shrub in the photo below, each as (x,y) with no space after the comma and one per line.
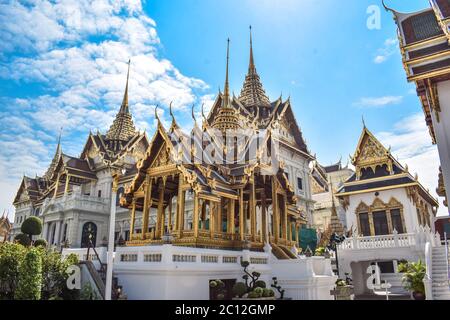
(23,239)
(40,243)
(259,291)
(11,256)
(254,295)
(30,278)
(32,226)
(260,284)
(239,289)
(54,269)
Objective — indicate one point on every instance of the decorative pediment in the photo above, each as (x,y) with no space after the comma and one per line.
(395,203)
(370,153)
(162,159)
(362,207)
(378,204)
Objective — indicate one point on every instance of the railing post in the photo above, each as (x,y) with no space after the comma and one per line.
(355,241)
(427,281)
(396,242)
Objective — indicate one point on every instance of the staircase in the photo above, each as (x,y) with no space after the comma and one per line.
(439,274)
(116,290)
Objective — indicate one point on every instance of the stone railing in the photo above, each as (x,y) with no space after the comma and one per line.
(417,239)
(77,201)
(168,254)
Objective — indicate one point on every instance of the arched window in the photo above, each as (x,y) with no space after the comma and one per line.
(89,232)
(120,193)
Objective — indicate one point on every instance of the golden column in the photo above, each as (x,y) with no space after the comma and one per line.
(253,208)
(160,216)
(276,221)
(285,217)
(195,217)
(169,222)
(263,217)
(133,217)
(212,211)
(220,216)
(231,208)
(180,206)
(147,203)
(241,214)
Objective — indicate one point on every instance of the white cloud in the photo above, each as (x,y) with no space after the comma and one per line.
(389,48)
(377,102)
(411,143)
(75,52)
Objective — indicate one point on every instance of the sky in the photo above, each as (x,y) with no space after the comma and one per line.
(63,65)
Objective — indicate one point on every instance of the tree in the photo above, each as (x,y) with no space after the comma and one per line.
(11,257)
(40,243)
(30,277)
(23,239)
(32,226)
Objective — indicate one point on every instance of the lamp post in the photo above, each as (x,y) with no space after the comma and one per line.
(112,222)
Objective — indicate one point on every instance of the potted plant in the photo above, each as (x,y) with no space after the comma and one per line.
(308,252)
(320,251)
(252,287)
(343,291)
(412,279)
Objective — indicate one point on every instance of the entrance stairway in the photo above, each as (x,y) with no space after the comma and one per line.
(439,274)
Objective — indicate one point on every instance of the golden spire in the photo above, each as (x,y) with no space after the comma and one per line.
(252,93)
(251,65)
(56,157)
(124,106)
(226,98)
(123,127)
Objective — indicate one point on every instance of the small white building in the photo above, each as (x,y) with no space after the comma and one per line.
(389,212)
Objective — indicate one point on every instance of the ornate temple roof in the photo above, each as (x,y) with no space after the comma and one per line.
(226,118)
(253,93)
(122,128)
(377,169)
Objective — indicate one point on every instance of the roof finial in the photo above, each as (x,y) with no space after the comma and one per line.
(171,114)
(387,8)
(203,112)
(363,122)
(192,114)
(156,113)
(124,106)
(251,65)
(226,99)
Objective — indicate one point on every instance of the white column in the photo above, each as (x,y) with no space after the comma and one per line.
(442,130)
(112,223)
(44,231)
(57,232)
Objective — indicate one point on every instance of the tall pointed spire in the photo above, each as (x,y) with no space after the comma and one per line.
(251,65)
(124,107)
(56,157)
(335,222)
(253,94)
(226,98)
(122,128)
(226,119)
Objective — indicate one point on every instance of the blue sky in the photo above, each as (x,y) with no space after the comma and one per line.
(63,64)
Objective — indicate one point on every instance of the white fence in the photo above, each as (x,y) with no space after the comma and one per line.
(417,239)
